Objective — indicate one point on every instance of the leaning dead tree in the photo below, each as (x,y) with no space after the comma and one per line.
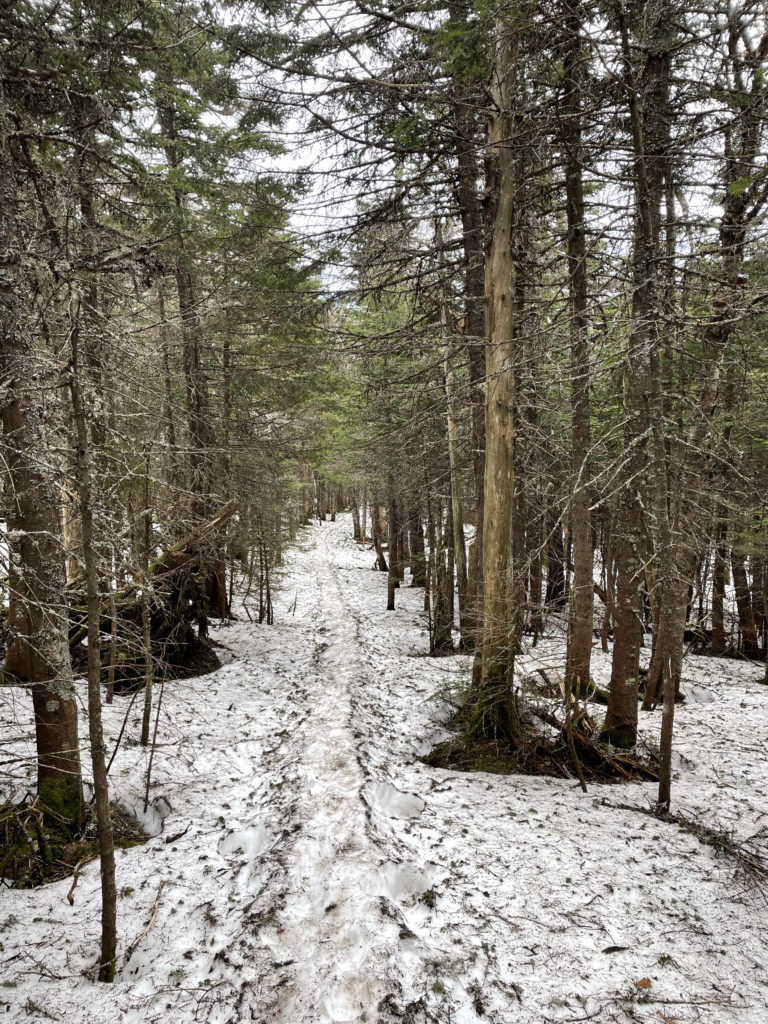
(181,585)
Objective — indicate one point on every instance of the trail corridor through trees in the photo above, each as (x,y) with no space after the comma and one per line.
(306,868)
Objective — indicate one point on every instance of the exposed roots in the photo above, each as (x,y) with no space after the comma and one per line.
(33,851)
(544,745)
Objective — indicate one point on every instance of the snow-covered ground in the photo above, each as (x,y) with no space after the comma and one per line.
(307,869)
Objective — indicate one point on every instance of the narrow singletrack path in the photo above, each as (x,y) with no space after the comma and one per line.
(331,930)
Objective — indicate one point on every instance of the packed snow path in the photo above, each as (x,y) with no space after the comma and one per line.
(306,867)
(330,930)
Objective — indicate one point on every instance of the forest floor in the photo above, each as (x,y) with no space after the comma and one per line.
(306,868)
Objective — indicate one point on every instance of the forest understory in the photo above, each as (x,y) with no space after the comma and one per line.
(305,866)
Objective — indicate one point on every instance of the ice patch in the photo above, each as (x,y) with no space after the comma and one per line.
(390,801)
(696,694)
(153,818)
(251,842)
(398,880)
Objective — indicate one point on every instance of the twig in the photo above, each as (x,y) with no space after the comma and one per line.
(76,879)
(132,948)
(154,743)
(177,835)
(122,730)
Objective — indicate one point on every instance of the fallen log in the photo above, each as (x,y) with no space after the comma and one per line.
(621,764)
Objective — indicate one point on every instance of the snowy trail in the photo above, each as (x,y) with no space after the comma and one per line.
(306,868)
(330,929)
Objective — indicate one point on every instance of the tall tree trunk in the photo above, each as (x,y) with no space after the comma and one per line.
(196,387)
(457,511)
(647,95)
(392,528)
(495,712)
(38,650)
(471,213)
(96,733)
(356,531)
(580,611)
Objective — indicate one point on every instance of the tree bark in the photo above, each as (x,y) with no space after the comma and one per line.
(418,558)
(381,562)
(719,580)
(495,712)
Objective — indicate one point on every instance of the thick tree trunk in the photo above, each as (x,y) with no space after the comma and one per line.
(356,531)
(648,102)
(38,651)
(495,712)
